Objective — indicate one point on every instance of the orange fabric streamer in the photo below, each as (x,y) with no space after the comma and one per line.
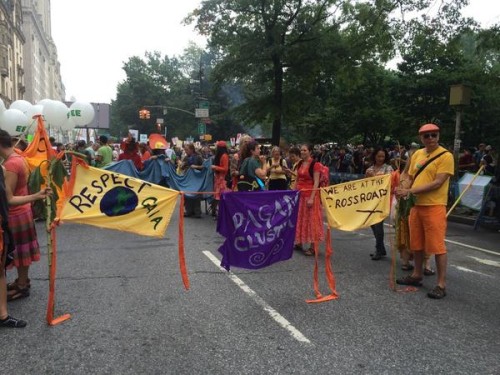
(328,271)
(395,177)
(182,257)
(52,284)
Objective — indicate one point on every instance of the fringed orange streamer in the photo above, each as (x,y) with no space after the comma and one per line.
(182,258)
(52,284)
(328,271)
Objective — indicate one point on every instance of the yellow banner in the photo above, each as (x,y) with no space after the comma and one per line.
(112,200)
(357,204)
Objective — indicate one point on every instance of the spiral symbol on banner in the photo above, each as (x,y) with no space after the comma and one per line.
(259,258)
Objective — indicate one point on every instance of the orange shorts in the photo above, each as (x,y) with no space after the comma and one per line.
(428,229)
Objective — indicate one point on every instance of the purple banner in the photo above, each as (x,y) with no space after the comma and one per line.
(259,227)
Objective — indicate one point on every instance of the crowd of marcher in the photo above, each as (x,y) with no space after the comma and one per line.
(249,166)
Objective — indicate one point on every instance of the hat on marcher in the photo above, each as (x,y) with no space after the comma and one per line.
(414,145)
(157,142)
(221,144)
(428,128)
(488,148)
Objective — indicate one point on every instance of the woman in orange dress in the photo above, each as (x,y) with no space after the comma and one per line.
(310,220)
(220,168)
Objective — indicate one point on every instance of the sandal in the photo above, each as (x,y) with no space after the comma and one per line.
(429,272)
(308,252)
(12,286)
(407,267)
(298,248)
(437,292)
(409,280)
(18,293)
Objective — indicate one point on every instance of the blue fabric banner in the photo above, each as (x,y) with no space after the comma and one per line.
(259,227)
(160,172)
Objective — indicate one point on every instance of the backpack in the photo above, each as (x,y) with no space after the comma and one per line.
(324,173)
(247,183)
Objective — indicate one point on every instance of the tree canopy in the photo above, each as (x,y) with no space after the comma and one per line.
(321,70)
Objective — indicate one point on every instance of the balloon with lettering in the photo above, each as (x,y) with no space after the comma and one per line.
(13,121)
(55,113)
(82,113)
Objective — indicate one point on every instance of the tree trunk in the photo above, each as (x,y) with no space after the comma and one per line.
(278,100)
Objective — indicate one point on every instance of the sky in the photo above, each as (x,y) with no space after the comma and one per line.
(94,38)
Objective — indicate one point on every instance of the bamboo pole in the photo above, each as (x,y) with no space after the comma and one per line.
(464,191)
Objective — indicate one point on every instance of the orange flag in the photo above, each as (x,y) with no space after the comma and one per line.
(39,149)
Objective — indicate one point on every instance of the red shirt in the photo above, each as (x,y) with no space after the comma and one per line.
(304,178)
(136,159)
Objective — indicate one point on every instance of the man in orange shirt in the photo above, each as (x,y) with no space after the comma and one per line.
(429,173)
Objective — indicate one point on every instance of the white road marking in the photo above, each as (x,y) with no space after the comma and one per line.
(470,271)
(473,247)
(465,245)
(486,261)
(278,318)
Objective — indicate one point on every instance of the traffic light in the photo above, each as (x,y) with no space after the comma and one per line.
(144,114)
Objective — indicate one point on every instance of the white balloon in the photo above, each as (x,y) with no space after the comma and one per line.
(24,106)
(82,113)
(55,113)
(37,109)
(69,124)
(44,102)
(14,122)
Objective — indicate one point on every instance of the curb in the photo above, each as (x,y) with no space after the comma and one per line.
(470,220)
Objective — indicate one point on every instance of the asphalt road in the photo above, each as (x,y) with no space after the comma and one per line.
(131,314)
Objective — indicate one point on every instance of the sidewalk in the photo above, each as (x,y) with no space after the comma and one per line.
(466,216)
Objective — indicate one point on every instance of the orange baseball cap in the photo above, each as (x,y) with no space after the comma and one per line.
(428,128)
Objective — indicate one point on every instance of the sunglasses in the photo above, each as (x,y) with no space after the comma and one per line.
(430,135)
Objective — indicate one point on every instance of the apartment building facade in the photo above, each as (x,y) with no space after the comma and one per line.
(29,68)
(41,66)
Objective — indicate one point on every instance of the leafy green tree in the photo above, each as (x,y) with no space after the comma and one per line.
(255,39)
